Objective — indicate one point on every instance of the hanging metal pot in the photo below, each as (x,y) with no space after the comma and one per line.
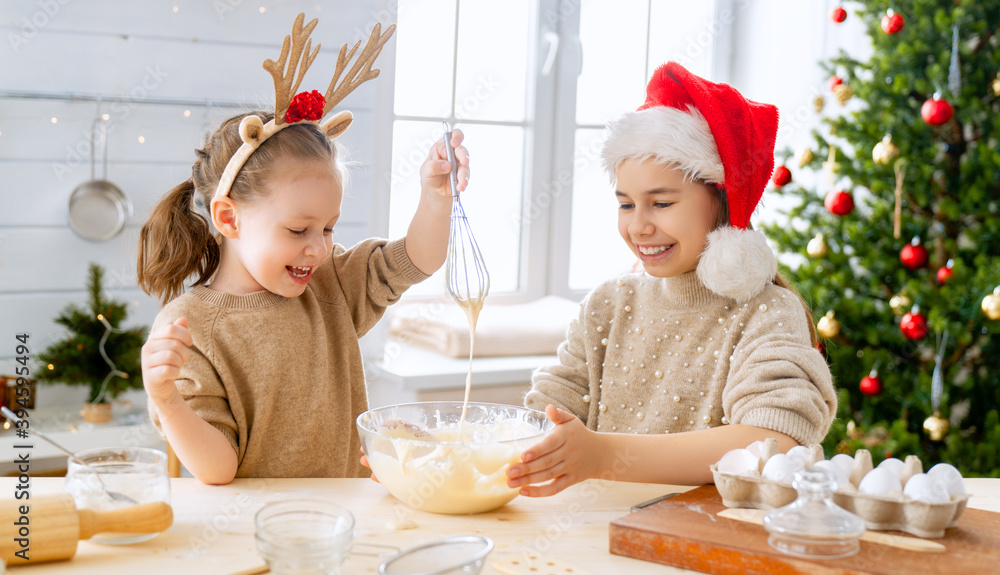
(98,209)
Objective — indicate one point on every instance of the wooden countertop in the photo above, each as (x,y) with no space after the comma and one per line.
(213,526)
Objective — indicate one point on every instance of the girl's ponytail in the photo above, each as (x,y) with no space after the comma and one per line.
(175,243)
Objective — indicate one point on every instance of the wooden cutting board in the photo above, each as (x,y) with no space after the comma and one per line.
(684,531)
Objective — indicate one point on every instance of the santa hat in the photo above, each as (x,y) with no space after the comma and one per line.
(711,133)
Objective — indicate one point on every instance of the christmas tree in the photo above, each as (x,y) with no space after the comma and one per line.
(83,359)
(900,236)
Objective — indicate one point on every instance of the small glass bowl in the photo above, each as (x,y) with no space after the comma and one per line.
(452,556)
(304,536)
(136,473)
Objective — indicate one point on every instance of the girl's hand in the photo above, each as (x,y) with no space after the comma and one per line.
(568,455)
(364,461)
(163,354)
(435,173)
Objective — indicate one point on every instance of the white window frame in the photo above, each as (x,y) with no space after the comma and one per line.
(550,126)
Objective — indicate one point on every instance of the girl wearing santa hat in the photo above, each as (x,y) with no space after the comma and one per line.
(709,349)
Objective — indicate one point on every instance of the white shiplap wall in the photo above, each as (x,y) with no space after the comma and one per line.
(146,51)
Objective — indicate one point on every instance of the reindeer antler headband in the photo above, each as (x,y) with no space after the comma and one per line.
(305,107)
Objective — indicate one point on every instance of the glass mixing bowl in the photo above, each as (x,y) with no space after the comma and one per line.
(415,451)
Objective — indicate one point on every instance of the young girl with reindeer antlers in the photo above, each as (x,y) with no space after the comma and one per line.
(709,349)
(256,371)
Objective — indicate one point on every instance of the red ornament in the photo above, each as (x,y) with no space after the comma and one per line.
(892,23)
(834,82)
(870,384)
(936,111)
(838,15)
(305,106)
(914,325)
(944,273)
(913,255)
(782,176)
(839,202)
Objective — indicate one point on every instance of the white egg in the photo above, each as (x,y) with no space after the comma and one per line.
(879,481)
(756,448)
(951,477)
(923,487)
(844,461)
(779,468)
(838,474)
(799,453)
(894,465)
(738,462)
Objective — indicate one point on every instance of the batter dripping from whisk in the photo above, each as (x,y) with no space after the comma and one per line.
(468,280)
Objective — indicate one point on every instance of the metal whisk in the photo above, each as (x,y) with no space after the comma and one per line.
(468,280)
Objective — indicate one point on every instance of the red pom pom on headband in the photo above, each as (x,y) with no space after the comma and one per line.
(707,130)
(306,106)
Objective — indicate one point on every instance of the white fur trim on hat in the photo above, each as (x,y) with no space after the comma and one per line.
(737,263)
(671,136)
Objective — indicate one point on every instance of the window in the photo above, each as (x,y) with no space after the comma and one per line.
(532,83)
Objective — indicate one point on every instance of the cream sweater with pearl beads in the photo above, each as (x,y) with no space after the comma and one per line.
(666,355)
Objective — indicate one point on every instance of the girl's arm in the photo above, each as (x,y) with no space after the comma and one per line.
(427,236)
(203,449)
(572,453)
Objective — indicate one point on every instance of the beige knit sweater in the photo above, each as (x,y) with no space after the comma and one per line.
(665,355)
(282,378)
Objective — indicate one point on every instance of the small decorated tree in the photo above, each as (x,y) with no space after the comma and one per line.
(96,353)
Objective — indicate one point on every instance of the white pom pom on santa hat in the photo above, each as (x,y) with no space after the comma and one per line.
(711,133)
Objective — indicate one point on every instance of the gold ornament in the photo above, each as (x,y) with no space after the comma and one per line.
(818,103)
(996,85)
(817,246)
(804,156)
(900,304)
(828,326)
(991,304)
(936,427)
(843,93)
(831,165)
(885,151)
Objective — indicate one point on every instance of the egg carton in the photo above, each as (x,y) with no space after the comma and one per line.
(892,512)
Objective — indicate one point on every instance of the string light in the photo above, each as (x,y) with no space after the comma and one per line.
(6,425)
(51,367)
(114,369)
(262,9)
(54,120)
(187,113)
(105,117)
(142,140)
(176,9)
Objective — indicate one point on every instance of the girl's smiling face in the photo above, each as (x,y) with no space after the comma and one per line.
(663,218)
(283,237)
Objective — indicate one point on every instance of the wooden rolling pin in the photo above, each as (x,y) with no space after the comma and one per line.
(52,525)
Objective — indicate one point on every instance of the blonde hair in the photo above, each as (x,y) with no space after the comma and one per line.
(177,241)
(722,219)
